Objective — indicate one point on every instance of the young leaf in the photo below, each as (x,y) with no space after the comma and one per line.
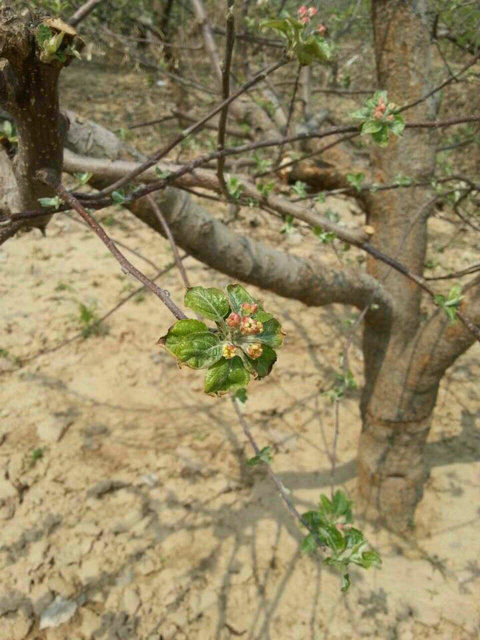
(262,366)
(237,295)
(264,456)
(309,544)
(210,303)
(226,375)
(272,334)
(192,344)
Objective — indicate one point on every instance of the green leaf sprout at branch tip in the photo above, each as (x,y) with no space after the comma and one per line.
(451,303)
(379,118)
(242,345)
(305,41)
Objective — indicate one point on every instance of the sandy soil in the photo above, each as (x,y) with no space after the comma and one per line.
(124,492)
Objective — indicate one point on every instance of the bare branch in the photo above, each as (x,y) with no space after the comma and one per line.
(50,178)
(82,12)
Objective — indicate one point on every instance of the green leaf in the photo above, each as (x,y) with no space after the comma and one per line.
(271,334)
(192,344)
(353,537)
(342,506)
(371,126)
(162,173)
(264,456)
(356,180)
(226,375)
(83,178)
(398,125)
(210,303)
(51,202)
(309,544)
(241,396)
(325,505)
(262,365)
(370,559)
(332,537)
(118,197)
(381,137)
(237,295)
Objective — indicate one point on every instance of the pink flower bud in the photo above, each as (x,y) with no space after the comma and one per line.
(302,11)
(255,350)
(259,326)
(305,19)
(249,308)
(248,326)
(321,29)
(228,351)
(312,12)
(390,118)
(233,320)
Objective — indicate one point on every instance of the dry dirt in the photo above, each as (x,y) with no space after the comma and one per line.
(124,492)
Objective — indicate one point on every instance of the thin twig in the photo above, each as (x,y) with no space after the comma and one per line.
(48,178)
(290,113)
(82,12)
(276,480)
(443,84)
(229,44)
(195,128)
(171,239)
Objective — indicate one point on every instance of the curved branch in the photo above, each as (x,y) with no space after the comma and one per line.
(441,342)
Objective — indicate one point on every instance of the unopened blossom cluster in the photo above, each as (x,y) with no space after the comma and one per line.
(247,326)
(381,108)
(305,14)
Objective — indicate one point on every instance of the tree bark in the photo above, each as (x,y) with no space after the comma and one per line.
(396,409)
(29,92)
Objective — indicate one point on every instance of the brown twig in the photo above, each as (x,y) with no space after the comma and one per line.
(82,12)
(195,128)
(276,480)
(171,239)
(439,87)
(229,44)
(48,178)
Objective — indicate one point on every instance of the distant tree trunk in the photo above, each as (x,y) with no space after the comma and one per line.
(396,412)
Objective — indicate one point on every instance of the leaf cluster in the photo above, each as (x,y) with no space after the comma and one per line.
(330,525)
(451,303)
(307,47)
(379,126)
(198,346)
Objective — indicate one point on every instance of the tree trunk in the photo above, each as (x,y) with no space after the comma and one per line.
(396,412)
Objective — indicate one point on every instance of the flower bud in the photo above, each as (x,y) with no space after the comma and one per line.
(255,350)
(249,308)
(390,118)
(228,351)
(312,12)
(302,11)
(321,29)
(233,320)
(250,326)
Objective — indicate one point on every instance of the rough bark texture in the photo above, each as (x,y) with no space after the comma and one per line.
(29,92)
(396,412)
